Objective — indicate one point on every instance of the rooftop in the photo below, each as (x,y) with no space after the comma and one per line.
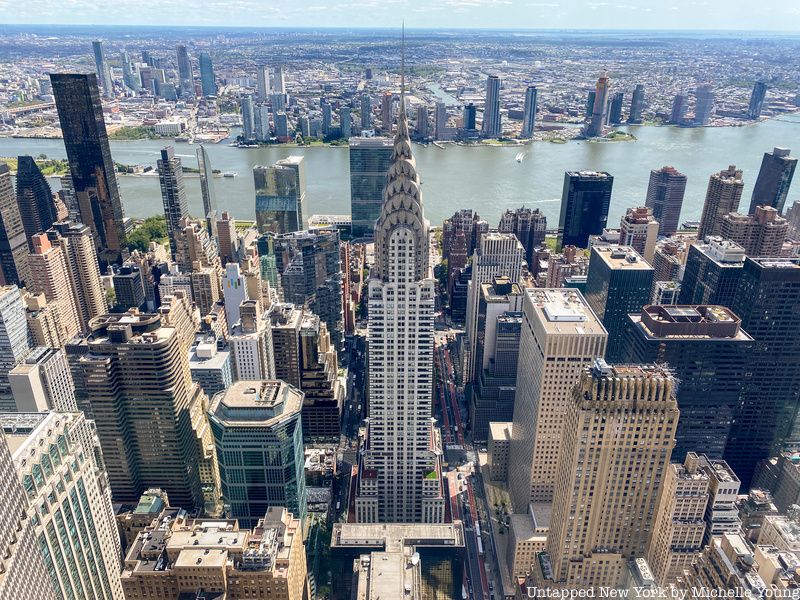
(18,427)
(564,311)
(259,403)
(700,322)
(621,258)
(393,537)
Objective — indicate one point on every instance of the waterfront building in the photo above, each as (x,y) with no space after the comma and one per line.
(615,108)
(665,198)
(722,197)
(173,194)
(680,105)
(492,125)
(618,283)
(207,191)
(400,472)
(208,82)
(259,440)
(774,179)
(528,112)
(370,158)
(366,112)
(103,69)
(637,105)
(589,543)
(599,117)
(708,352)
(704,100)
(263,86)
(60,467)
(560,337)
(248,118)
(94,181)
(185,72)
(585,201)
(280,195)
(757,98)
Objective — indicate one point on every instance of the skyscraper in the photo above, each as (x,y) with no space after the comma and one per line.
(366,112)
(130,75)
(370,158)
(132,377)
(279,80)
(103,69)
(760,234)
(387,113)
(13,241)
(440,121)
(23,575)
(497,255)
(56,451)
(665,197)
(280,195)
(250,339)
(529,112)
(75,239)
(263,416)
(774,179)
(421,129)
(34,198)
(90,163)
(618,283)
(722,196)
(703,104)
(309,266)
(712,272)
(600,107)
(590,542)
(207,80)
(492,126)
(470,117)
(497,354)
(639,230)
(50,276)
(185,73)
(327,118)
(708,352)
(173,194)
(560,337)
(207,191)
(528,224)
(615,108)
(13,340)
(399,476)
(679,107)
(248,118)
(345,122)
(263,79)
(757,100)
(584,207)
(637,105)
(767,418)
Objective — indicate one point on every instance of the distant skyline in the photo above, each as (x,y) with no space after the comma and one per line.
(767,15)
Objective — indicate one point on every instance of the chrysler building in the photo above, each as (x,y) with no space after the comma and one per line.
(400,478)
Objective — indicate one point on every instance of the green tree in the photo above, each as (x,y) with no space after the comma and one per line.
(153,229)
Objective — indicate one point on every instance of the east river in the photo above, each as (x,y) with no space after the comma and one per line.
(487,179)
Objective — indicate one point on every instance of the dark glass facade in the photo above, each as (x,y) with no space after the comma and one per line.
(709,279)
(707,352)
(584,207)
(34,198)
(81,116)
(370,159)
(774,179)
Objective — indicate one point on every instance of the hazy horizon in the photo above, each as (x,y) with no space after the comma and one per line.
(582,15)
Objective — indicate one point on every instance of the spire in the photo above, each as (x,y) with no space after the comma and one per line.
(403,67)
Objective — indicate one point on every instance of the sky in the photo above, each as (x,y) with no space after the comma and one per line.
(778,15)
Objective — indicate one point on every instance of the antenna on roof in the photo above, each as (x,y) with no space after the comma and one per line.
(403,59)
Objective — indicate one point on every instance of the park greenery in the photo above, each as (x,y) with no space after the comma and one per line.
(152,229)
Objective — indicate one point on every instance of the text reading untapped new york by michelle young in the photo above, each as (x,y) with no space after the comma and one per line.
(662,593)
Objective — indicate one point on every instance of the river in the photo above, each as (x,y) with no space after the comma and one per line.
(487,179)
